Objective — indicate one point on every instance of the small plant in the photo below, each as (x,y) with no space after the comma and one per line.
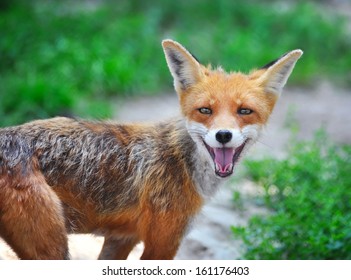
(309,194)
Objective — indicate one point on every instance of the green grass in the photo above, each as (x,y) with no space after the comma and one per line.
(309,196)
(65,57)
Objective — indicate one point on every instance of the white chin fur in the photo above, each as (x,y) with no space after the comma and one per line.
(197,132)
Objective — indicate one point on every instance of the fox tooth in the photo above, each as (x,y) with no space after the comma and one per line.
(230,168)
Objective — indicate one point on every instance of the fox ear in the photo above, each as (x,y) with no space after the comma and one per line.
(184,67)
(277,72)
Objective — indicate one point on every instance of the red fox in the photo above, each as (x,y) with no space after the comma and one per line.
(133,182)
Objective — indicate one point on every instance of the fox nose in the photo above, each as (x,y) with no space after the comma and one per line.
(224,136)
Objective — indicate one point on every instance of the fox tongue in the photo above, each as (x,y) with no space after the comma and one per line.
(223,158)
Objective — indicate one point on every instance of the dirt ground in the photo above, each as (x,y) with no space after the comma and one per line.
(323,106)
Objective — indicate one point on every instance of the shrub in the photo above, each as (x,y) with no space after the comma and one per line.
(309,194)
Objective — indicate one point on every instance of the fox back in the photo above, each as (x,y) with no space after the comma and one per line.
(133,182)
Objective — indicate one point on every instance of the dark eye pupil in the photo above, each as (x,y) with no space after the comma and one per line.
(206,111)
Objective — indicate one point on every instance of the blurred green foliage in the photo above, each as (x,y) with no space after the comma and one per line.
(71,57)
(309,196)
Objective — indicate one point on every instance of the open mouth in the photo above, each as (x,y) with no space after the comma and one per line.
(225,158)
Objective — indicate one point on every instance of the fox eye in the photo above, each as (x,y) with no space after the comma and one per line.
(244,111)
(205,111)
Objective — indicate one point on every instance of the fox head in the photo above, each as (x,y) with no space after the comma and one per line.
(225,112)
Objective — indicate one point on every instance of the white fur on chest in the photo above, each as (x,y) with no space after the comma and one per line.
(204,177)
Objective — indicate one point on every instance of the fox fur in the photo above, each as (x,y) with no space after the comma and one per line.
(133,182)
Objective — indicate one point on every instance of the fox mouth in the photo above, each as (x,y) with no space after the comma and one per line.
(224,159)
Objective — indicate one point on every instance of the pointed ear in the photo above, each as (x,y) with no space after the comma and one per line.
(184,67)
(276,73)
